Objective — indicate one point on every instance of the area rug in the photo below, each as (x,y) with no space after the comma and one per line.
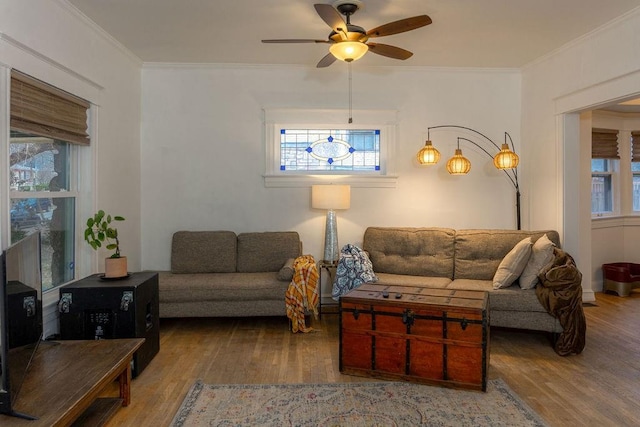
(352,404)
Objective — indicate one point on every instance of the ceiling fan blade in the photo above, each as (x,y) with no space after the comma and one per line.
(294,41)
(327,60)
(400,26)
(389,51)
(332,17)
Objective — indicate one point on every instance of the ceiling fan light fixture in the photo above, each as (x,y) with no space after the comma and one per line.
(348,42)
(348,50)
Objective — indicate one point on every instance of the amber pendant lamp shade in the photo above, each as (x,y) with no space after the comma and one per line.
(428,155)
(458,164)
(506,159)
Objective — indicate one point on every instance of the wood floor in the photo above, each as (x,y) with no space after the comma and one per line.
(600,387)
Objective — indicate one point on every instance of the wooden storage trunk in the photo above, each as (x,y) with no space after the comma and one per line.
(434,336)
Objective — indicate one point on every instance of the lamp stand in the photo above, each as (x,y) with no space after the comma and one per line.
(518,208)
(331,253)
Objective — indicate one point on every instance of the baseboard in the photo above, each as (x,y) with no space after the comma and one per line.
(588,295)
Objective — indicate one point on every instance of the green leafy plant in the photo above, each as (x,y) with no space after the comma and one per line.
(100,230)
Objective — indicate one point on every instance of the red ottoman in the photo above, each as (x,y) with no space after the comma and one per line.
(621,277)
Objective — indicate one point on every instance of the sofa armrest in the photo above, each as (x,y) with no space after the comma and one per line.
(286,272)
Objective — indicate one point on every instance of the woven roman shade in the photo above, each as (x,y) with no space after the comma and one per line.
(41,109)
(604,143)
(635,145)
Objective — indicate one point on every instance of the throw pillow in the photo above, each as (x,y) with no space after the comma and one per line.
(512,264)
(541,255)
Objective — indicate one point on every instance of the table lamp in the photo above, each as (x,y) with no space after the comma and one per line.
(331,197)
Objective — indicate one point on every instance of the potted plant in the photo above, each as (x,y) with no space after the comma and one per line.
(100,229)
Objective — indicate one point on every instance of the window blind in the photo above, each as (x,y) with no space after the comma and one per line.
(604,143)
(635,145)
(41,109)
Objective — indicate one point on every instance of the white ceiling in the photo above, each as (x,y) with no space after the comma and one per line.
(464,33)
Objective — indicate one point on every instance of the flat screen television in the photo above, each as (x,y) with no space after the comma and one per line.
(20,317)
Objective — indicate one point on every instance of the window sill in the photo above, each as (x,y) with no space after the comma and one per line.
(615,221)
(289,181)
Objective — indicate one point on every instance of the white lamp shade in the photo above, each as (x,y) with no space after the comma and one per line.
(348,50)
(331,196)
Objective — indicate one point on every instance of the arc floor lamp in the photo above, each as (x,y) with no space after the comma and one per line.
(505,159)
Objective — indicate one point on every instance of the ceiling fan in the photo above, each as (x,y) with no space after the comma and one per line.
(349,42)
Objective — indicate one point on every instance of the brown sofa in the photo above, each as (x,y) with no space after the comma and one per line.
(459,259)
(221,274)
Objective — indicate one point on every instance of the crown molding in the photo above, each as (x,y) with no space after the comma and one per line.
(52,62)
(633,13)
(81,17)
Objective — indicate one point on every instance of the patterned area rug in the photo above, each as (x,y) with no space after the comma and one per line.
(352,404)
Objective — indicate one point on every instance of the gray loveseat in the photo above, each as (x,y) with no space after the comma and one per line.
(459,259)
(221,274)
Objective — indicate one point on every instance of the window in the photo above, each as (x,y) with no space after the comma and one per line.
(43,199)
(304,147)
(635,169)
(48,128)
(604,166)
(601,186)
(333,150)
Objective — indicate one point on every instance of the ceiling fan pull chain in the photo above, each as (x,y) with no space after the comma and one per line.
(350,95)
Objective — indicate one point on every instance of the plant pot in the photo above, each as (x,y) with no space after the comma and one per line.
(115,267)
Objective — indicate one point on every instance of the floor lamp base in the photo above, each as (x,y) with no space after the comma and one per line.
(331,253)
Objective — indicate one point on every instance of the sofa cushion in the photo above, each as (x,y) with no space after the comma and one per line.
(405,280)
(513,264)
(267,251)
(203,252)
(511,299)
(541,255)
(411,251)
(479,252)
(221,287)
(471,285)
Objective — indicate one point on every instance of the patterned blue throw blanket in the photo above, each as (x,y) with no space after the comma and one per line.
(354,269)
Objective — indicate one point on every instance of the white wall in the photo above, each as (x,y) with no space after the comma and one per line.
(49,40)
(600,67)
(203,150)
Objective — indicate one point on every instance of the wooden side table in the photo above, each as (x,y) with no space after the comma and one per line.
(328,270)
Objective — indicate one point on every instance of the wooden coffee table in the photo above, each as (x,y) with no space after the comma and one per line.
(433,336)
(66,379)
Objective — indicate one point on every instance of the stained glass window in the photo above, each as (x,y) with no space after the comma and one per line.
(335,150)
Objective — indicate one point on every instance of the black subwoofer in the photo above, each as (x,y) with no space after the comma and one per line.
(95,308)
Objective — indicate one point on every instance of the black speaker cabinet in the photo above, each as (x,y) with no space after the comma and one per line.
(99,308)
(23,314)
